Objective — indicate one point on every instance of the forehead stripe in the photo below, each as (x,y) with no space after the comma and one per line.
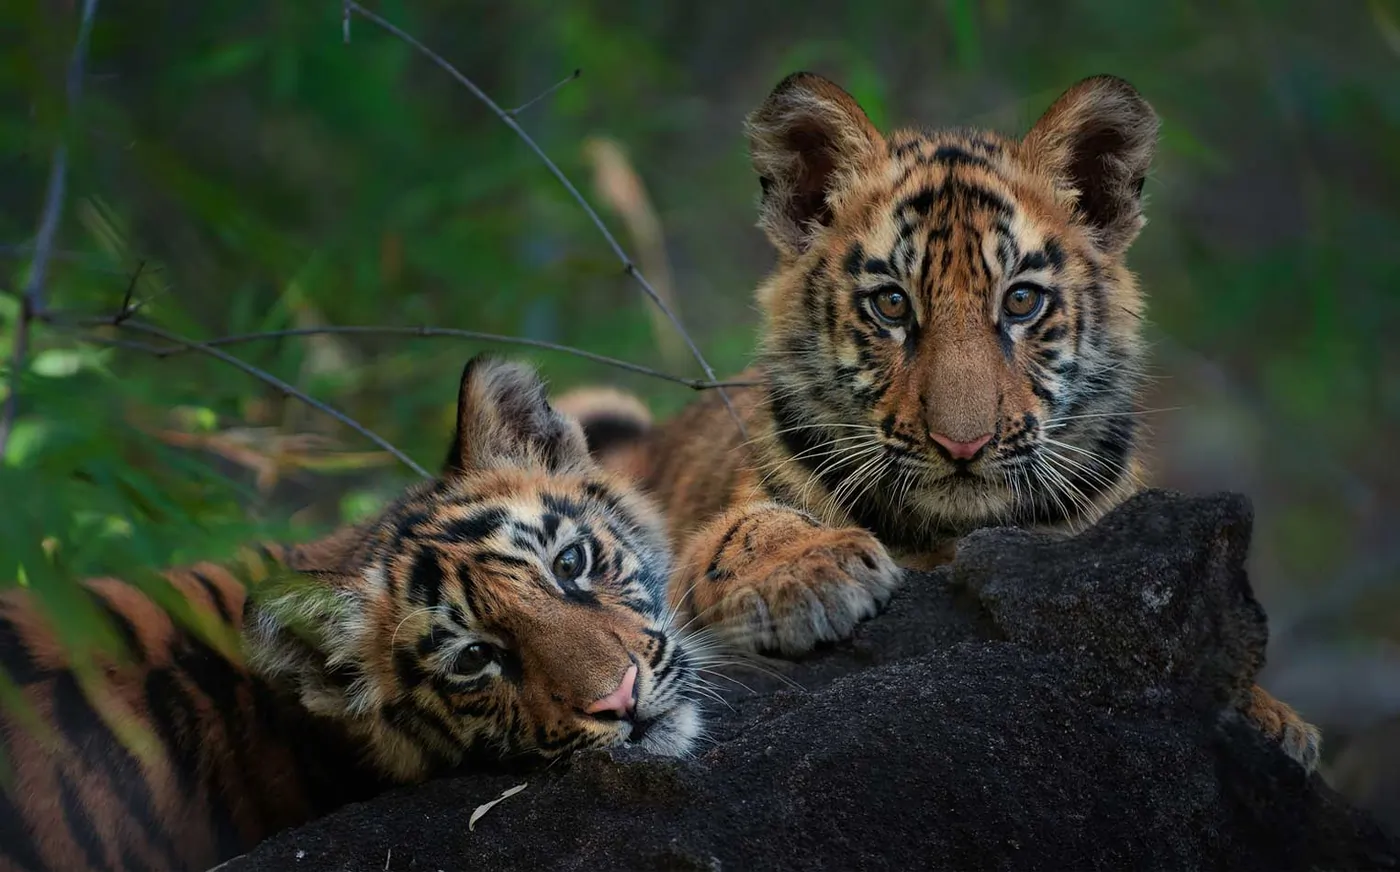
(474,527)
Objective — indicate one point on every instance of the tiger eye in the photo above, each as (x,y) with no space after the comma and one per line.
(569,564)
(1022,301)
(891,304)
(474,658)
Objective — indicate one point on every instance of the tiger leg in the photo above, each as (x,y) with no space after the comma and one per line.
(769,578)
(1283,726)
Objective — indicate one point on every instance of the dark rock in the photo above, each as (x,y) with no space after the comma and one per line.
(1040,704)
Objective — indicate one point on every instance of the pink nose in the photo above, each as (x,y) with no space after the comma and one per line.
(620,701)
(961,450)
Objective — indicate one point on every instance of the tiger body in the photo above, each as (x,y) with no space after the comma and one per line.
(951,340)
(509,612)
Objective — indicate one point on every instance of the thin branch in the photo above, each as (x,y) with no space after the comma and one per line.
(267,378)
(431,332)
(32,301)
(627,265)
(127,310)
(545,93)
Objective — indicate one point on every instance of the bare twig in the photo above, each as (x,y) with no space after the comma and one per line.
(32,301)
(431,332)
(545,93)
(345,22)
(261,375)
(507,119)
(127,310)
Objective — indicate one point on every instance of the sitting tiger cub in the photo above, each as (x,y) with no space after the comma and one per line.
(952,340)
(514,609)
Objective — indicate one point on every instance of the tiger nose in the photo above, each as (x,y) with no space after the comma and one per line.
(621,701)
(961,450)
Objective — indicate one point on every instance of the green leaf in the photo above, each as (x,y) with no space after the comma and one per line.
(57,363)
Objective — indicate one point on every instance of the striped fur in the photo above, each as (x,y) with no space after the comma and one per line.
(952,340)
(358,669)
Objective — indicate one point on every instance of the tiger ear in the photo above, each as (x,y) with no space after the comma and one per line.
(504,419)
(1096,142)
(806,142)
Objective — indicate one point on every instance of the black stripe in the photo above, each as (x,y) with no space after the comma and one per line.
(131,640)
(562,506)
(714,573)
(551,523)
(953,156)
(101,751)
(605,430)
(405,528)
(17,844)
(14,656)
(855,259)
(213,591)
(427,730)
(982,197)
(474,527)
(80,826)
(920,203)
(425,579)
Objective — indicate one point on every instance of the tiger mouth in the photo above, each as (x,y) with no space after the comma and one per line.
(670,733)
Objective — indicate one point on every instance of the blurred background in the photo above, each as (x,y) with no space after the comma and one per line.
(239,168)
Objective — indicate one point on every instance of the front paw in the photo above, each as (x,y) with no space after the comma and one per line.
(786,584)
(1299,739)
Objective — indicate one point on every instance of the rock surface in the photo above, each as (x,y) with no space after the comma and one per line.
(1039,704)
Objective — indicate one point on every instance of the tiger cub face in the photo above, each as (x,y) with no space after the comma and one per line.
(952,337)
(514,608)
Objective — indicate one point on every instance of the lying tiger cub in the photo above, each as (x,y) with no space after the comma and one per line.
(952,339)
(514,609)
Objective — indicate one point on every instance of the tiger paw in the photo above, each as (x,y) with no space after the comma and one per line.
(770,579)
(1299,739)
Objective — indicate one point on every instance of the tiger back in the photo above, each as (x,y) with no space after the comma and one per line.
(511,611)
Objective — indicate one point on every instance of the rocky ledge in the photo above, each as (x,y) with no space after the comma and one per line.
(1039,704)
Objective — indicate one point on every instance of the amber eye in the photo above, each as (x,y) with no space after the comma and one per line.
(1022,302)
(891,304)
(474,658)
(570,563)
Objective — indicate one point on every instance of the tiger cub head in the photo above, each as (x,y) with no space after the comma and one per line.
(951,336)
(513,609)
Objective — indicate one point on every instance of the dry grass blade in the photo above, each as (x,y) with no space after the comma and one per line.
(267,378)
(487,806)
(618,184)
(507,119)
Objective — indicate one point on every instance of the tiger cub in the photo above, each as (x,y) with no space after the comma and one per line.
(952,340)
(513,609)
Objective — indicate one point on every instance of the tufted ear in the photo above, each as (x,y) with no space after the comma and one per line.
(1096,141)
(504,419)
(806,142)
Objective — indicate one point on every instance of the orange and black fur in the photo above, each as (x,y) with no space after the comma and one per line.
(512,610)
(952,340)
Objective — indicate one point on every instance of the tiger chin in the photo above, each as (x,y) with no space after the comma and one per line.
(509,612)
(951,340)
